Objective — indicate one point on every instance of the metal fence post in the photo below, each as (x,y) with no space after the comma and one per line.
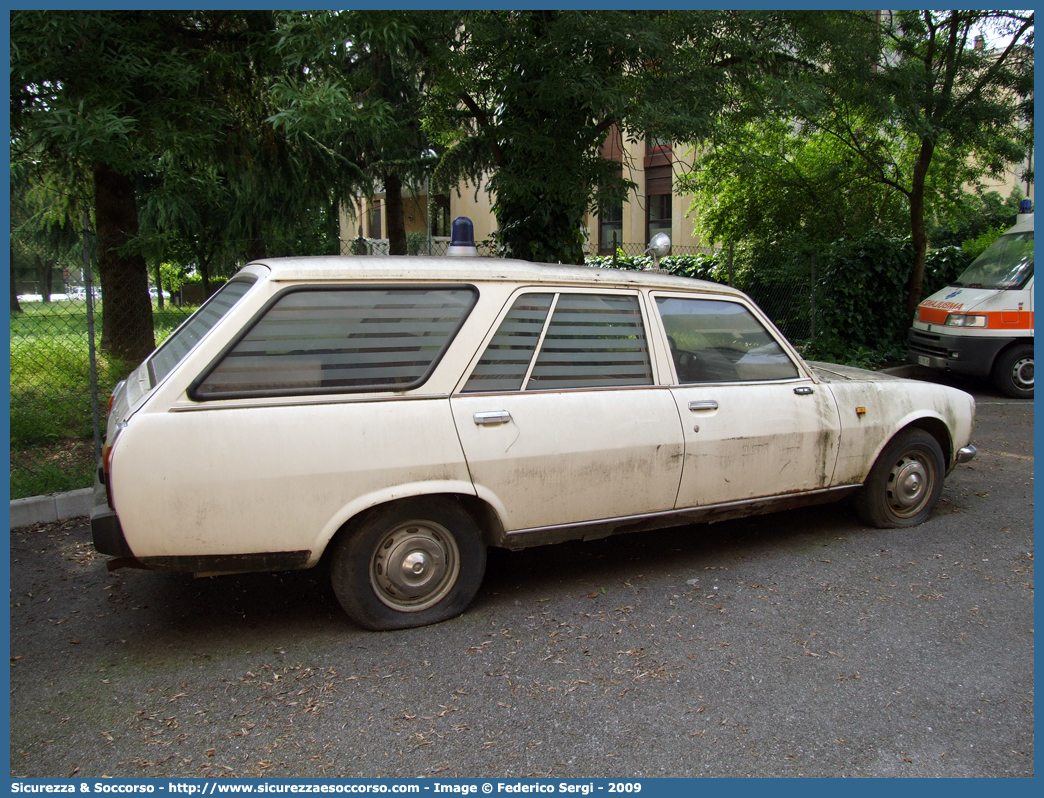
(92,354)
(731,274)
(813,296)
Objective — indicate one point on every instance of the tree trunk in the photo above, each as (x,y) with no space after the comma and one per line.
(396,220)
(255,245)
(15,307)
(917,232)
(127,326)
(42,280)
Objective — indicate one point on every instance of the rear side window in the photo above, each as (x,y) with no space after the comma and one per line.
(593,341)
(506,360)
(718,341)
(589,341)
(182,340)
(312,341)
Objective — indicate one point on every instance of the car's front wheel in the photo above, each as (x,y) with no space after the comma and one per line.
(413,563)
(905,482)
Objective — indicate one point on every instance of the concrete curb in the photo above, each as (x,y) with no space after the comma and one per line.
(54,507)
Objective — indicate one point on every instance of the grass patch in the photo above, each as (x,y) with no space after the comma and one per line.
(51,393)
(53,468)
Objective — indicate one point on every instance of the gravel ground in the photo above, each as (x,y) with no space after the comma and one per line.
(800,643)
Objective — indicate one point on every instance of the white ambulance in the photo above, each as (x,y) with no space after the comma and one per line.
(982,324)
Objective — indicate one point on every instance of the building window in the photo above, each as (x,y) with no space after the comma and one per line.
(610,219)
(658,215)
(610,229)
(440,215)
(375,219)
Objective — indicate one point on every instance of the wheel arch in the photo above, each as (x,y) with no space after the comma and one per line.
(482,513)
(937,428)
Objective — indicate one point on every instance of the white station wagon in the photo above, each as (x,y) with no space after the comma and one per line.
(403,414)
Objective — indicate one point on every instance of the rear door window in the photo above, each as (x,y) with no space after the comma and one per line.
(586,341)
(340,340)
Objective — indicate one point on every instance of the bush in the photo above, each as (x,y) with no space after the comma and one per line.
(974,247)
(861,297)
(416,243)
(699,267)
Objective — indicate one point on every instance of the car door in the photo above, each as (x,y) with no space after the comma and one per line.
(755,424)
(560,418)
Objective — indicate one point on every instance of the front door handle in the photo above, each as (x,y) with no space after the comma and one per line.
(703,404)
(804,390)
(492,417)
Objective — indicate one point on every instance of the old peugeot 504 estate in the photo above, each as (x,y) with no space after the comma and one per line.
(407,413)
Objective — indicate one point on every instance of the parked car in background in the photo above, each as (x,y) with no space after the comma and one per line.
(79,293)
(405,414)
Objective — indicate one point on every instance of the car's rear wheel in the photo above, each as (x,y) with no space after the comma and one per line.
(905,482)
(1013,372)
(413,563)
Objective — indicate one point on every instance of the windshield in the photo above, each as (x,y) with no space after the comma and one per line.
(182,340)
(1008,263)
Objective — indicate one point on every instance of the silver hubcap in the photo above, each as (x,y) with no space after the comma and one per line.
(414,566)
(910,483)
(1022,373)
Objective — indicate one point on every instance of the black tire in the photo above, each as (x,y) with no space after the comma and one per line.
(439,561)
(1013,372)
(905,482)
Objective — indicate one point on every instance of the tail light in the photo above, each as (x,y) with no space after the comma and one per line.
(112,396)
(106,464)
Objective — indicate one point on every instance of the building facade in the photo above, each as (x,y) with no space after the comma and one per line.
(654,206)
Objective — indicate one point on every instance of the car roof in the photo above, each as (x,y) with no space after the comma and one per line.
(464,269)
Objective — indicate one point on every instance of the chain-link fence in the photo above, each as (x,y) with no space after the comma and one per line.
(416,244)
(71,344)
(65,344)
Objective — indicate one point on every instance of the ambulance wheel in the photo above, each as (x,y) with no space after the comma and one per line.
(1013,372)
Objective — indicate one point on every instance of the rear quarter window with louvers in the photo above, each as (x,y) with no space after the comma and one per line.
(340,340)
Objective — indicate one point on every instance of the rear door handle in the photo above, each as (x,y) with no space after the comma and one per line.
(804,390)
(492,417)
(703,404)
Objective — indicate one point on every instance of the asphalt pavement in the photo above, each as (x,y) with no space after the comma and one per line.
(795,644)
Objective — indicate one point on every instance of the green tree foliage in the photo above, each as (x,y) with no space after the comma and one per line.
(98,94)
(773,182)
(355,89)
(975,215)
(934,112)
(157,121)
(527,98)
(43,236)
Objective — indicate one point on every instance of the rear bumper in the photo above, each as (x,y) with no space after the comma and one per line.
(966,454)
(105,525)
(961,354)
